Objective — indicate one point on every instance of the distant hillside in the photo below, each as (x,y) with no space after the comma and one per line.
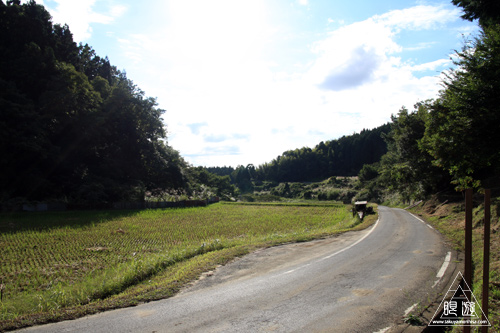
(341,157)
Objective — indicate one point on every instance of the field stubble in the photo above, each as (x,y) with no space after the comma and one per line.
(67,264)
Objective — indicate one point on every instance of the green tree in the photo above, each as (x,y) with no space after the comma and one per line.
(22,141)
(219,185)
(243,178)
(486,11)
(407,168)
(72,126)
(342,157)
(464,123)
(367,173)
(68,107)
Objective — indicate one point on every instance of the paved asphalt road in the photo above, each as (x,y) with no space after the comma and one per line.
(356,282)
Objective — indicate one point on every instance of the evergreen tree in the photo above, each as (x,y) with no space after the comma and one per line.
(342,157)
(464,123)
(72,126)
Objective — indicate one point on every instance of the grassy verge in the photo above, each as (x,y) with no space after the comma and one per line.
(449,219)
(65,265)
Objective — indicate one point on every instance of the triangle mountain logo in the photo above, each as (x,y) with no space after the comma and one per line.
(459,307)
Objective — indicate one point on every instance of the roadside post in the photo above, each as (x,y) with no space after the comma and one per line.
(486,256)
(468,246)
(464,309)
(486,253)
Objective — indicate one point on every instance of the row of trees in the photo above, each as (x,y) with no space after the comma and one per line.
(341,157)
(72,126)
(407,168)
(452,141)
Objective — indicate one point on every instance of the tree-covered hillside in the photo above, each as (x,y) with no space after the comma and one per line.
(341,157)
(72,126)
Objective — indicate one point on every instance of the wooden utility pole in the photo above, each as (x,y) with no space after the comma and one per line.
(486,257)
(468,247)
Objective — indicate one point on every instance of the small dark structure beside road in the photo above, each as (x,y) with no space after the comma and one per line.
(360,208)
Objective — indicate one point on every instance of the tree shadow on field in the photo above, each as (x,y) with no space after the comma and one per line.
(39,221)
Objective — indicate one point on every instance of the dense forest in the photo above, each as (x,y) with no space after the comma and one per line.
(342,157)
(72,127)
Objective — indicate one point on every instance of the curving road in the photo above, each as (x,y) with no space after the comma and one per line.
(356,282)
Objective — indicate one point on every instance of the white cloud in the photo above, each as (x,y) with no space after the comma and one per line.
(117,10)
(211,67)
(359,68)
(364,56)
(79,15)
(352,55)
(357,81)
(419,17)
(420,46)
(433,65)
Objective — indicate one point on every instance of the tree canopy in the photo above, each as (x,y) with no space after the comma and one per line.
(72,126)
(486,11)
(464,124)
(341,157)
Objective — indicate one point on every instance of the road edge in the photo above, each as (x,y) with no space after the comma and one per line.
(429,307)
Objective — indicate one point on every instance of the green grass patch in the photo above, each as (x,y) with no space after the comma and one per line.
(67,264)
(290,202)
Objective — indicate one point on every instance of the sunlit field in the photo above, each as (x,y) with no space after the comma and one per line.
(50,261)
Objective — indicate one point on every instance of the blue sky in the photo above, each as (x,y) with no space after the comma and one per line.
(243,81)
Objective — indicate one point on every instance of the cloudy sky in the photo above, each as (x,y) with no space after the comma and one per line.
(244,80)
